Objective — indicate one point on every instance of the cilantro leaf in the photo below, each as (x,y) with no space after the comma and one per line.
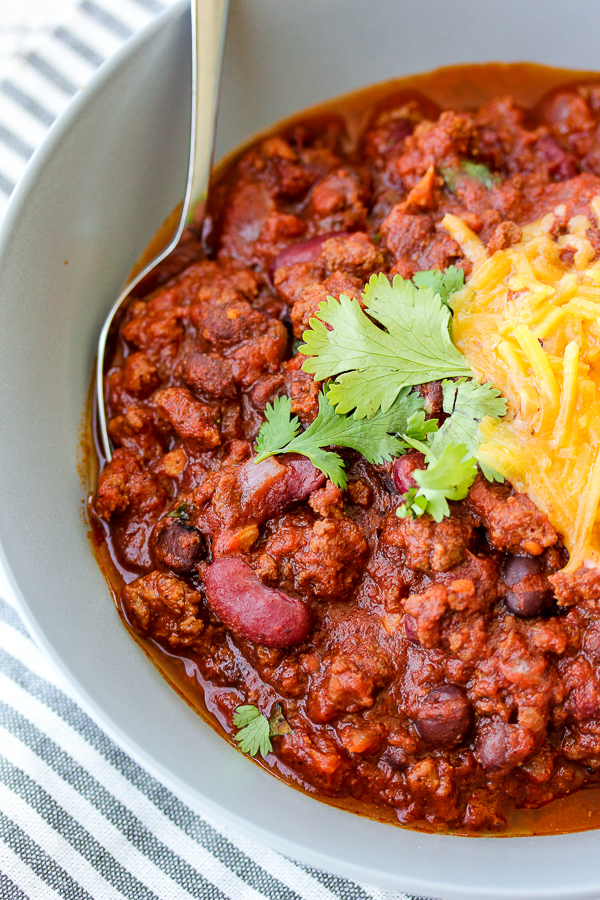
(447,477)
(373,364)
(182,512)
(467,402)
(254,732)
(467,397)
(279,429)
(370,437)
(405,414)
(418,427)
(400,339)
(375,438)
(450,176)
(442,283)
(478,171)
(414,505)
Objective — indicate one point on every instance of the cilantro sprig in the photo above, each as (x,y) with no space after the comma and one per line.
(375,438)
(451,451)
(448,476)
(403,341)
(370,357)
(256,730)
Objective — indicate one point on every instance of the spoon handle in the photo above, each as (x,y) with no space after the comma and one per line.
(208,31)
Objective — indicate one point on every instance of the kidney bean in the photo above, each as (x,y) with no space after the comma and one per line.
(410,629)
(562,164)
(302,477)
(516,568)
(251,610)
(271,486)
(304,251)
(403,468)
(177,546)
(444,717)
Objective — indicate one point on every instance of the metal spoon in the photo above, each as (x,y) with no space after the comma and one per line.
(209,18)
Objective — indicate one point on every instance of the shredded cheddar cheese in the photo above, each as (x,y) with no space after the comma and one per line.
(463,235)
(528,320)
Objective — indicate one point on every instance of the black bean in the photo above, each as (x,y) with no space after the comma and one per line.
(501,746)
(529,597)
(491,746)
(516,568)
(444,717)
(177,546)
(403,468)
(529,592)
(527,603)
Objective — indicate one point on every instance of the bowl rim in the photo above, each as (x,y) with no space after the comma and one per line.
(349,867)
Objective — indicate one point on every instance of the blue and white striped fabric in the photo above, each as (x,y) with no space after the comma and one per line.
(41,83)
(79,819)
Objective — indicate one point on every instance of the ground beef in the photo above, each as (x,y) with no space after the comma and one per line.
(426,545)
(164,606)
(442,671)
(332,560)
(512,520)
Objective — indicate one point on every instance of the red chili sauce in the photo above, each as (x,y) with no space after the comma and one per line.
(421,682)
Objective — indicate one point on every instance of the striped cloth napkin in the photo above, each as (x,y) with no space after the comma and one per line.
(79,819)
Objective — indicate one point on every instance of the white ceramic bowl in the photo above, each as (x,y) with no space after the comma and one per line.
(107,175)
